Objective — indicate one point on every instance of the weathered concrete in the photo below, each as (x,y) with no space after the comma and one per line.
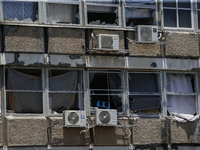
(142,49)
(23,39)
(185,132)
(112,135)
(66,41)
(27,131)
(182,44)
(1,134)
(67,136)
(149,131)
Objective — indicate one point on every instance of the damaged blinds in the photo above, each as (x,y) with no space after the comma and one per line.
(65,90)
(140,12)
(106,90)
(144,93)
(103,12)
(20,11)
(24,91)
(62,12)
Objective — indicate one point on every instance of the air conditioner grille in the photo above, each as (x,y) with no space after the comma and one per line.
(73,118)
(146,33)
(107,42)
(104,117)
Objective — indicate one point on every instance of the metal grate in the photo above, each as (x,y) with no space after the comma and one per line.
(146,33)
(104,117)
(73,118)
(107,42)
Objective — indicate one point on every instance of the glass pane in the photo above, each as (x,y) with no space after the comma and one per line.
(105,81)
(103,1)
(21,102)
(65,80)
(139,17)
(198,4)
(107,101)
(144,104)
(23,79)
(18,11)
(140,2)
(144,82)
(65,101)
(184,4)
(185,104)
(169,3)
(183,83)
(199,19)
(169,18)
(63,13)
(184,18)
(102,15)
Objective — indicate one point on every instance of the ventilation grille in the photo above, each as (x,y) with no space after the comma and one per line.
(146,33)
(104,117)
(73,118)
(107,42)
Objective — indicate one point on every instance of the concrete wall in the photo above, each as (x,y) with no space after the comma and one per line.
(66,41)
(141,49)
(182,44)
(30,131)
(23,39)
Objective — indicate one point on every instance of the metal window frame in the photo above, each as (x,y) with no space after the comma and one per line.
(159,94)
(123,90)
(196,93)
(177,16)
(2,18)
(100,4)
(41,91)
(64,3)
(79,92)
(124,5)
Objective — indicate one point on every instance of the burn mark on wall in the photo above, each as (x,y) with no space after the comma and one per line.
(16,60)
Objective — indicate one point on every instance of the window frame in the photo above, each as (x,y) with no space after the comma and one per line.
(79,92)
(139,6)
(196,86)
(40,91)
(153,94)
(64,3)
(22,22)
(103,5)
(177,16)
(123,90)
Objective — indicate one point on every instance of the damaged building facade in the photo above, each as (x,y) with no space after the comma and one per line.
(100,74)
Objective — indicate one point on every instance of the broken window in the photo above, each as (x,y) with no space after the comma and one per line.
(144,92)
(65,90)
(20,11)
(140,12)
(24,91)
(198,11)
(106,89)
(177,13)
(63,13)
(102,12)
(181,94)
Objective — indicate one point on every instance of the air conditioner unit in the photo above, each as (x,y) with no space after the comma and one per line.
(105,116)
(74,118)
(146,34)
(108,41)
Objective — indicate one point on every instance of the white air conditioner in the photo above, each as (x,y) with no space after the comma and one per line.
(146,34)
(74,118)
(105,116)
(108,41)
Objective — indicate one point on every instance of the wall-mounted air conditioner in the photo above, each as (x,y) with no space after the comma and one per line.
(105,116)
(146,34)
(108,41)
(74,118)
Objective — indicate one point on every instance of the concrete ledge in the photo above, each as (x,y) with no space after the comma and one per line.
(23,39)
(27,131)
